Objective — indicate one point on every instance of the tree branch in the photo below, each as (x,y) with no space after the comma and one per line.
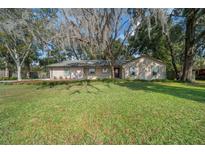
(201,35)
(26,54)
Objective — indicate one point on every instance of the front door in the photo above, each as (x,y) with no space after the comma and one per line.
(117,72)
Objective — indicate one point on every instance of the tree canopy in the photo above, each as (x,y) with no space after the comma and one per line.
(43,36)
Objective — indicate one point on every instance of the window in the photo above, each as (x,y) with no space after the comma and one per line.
(155,70)
(105,70)
(66,72)
(132,71)
(79,74)
(91,70)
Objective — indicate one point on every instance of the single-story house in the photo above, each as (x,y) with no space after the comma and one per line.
(4,73)
(199,73)
(143,67)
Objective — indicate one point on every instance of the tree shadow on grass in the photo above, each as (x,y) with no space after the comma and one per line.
(189,92)
(75,92)
(180,92)
(87,86)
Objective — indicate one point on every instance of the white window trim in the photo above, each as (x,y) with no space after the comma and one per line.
(90,72)
(105,70)
(68,70)
(135,70)
(155,71)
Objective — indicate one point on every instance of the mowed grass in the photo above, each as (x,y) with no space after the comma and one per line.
(120,112)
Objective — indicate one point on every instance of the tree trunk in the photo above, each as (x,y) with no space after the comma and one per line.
(112,72)
(187,68)
(19,72)
(189,46)
(6,70)
(169,44)
(175,67)
(28,71)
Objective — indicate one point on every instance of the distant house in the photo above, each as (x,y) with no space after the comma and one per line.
(144,68)
(199,73)
(4,73)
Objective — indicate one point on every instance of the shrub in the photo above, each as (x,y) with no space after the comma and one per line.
(200,77)
(8,78)
(13,78)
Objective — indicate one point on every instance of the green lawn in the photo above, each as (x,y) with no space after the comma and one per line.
(103,113)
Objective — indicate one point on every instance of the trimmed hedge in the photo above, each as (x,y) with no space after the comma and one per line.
(200,77)
(7,78)
(49,83)
(52,83)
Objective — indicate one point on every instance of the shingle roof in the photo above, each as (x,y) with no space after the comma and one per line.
(70,63)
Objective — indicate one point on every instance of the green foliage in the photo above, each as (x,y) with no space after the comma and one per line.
(118,50)
(4,55)
(156,45)
(8,78)
(199,62)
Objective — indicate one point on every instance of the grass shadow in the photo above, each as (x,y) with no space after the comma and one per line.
(192,91)
(180,92)
(83,85)
(44,87)
(75,92)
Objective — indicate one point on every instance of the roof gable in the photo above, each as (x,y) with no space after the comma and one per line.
(154,59)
